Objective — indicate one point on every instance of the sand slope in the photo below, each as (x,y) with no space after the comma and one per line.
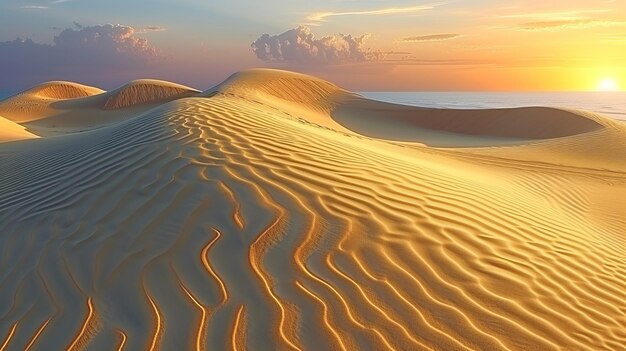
(60,90)
(36,102)
(231,223)
(457,127)
(146,91)
(297,94)
(10,131)
(58,108)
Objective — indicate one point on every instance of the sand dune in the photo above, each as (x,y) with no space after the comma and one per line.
(62,90)
(245,220)
(36,102)
(58,108)
(10,131)
(146,91)
(294,93)
(456,127)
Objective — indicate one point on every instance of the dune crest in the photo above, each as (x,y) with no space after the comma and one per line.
(303,94)
(60,90)
(89,108)
(295,93)
(36,102)
(145,91)
(242,221)
(474,127)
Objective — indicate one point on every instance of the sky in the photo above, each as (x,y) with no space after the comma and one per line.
(364,45)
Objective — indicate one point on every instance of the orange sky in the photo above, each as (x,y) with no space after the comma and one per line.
(513,46)
(481,45)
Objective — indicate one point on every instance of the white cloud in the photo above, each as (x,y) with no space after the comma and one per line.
(148,29)
(556,25)
(43,7)
(431,37)
(299,45)
(110,40)
(321,16)
(80,52)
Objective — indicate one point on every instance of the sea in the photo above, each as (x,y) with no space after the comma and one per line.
(610,104)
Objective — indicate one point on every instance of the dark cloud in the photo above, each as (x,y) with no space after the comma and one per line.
(432,37)
(300,46)
(75,54)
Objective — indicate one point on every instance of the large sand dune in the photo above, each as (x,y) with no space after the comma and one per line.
(250,217)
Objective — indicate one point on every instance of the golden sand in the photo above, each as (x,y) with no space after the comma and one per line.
(278,211)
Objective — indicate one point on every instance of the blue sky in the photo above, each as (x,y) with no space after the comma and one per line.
(363,45)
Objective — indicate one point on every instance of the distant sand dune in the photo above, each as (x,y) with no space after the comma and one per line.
(58,108)
(241,222)
(35,103)
(409,123)
(146,91)
(63,90)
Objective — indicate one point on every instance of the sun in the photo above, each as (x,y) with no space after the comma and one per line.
(608,84)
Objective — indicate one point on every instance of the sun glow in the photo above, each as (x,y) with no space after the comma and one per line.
(608,85)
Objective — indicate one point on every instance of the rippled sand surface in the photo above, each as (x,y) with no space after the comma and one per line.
(268,214)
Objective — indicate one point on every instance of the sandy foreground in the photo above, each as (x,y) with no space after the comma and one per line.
(278,211)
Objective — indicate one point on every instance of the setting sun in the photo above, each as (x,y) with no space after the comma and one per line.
(608,85)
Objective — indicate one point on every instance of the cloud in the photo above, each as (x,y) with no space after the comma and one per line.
(413,61)
(321,16)
(572,14)
(431,37)
(147,29)
(114,42)
(613,36)
(89,50)
(300,46)
(43,7)
(397,53)
(568,24)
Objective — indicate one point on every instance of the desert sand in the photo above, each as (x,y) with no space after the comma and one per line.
(279,211)
(10,131)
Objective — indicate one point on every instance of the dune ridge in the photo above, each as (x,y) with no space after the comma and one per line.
(72,109)
(231,223)
(145,91)
(317,99)
(59,90)
(408,123)
(288,86)
(35,102)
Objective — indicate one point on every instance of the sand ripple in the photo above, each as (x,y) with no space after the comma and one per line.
(222,223)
